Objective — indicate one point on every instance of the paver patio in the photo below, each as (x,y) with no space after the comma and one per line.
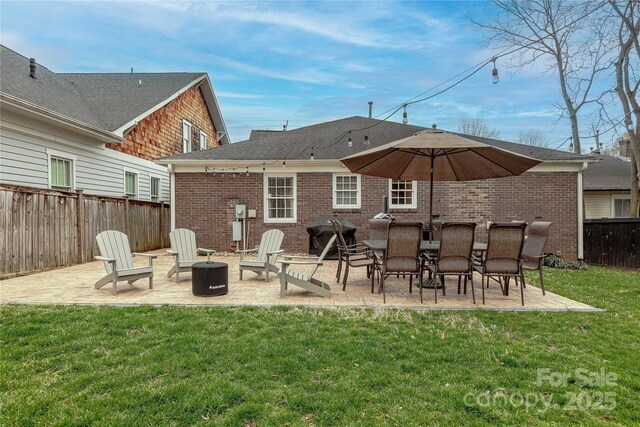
(74,285)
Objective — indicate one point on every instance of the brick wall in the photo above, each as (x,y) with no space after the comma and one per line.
(160,133)
(205,203)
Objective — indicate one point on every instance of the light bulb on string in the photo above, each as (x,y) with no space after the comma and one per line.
(571,145)
(366,140)
(312,157)
(405,119)
(494,73)
(349,142)
(284,164)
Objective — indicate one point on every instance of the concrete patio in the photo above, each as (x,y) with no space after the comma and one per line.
(74,285)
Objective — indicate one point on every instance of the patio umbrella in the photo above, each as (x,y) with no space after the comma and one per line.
(437,155)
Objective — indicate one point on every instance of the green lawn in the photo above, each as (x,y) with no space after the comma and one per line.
(288,366)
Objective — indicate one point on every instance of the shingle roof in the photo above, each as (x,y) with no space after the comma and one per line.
(610,173)
(261,133)
(104,100)
(329,141)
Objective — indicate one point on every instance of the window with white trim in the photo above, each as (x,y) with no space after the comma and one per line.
(621,206)
(346,191)
(131,185)
(186,136)
(403,194)
(61,173)
(280,198)
(155,189)
(203,141)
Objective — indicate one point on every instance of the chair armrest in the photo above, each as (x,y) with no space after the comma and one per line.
(206,251)
(299,257)
(170,252)
(276,252)
(152,256)
(101,258)
(301,262)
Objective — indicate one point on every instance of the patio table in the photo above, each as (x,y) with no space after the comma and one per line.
(425,246)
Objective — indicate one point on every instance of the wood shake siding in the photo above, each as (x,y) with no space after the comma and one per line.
(205,203)
(160,133)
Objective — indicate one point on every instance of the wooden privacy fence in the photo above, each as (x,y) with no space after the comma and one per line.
(612,242)
(41,229)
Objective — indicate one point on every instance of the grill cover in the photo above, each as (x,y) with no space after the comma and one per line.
(321,231)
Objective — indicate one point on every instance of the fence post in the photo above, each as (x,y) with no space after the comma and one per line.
(161,223)
(126,215)
(80,225)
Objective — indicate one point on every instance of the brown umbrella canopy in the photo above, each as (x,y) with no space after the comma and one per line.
(454,158)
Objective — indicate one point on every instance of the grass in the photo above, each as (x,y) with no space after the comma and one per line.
(291,366)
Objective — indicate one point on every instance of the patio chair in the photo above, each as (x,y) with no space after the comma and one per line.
(355,256)
(266,254)
(402,254)
(503,256)
(116,254)
(305,280)
(533,250)
(184,251)
(454,256)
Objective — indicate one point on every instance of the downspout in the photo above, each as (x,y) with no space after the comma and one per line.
(581,212)
(172,190)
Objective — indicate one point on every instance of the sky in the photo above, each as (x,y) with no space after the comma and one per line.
(301,63)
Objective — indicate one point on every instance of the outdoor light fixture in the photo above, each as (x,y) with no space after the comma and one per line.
(494,73)
(349,142)
(405,119)
(366,140)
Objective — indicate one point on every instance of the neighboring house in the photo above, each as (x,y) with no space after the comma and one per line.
(100,132)
(607,188)
(291,178)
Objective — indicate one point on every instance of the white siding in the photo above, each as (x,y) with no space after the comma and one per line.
(99,170)
(597,206)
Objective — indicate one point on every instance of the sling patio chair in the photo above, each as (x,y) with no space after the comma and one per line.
(266,254)
(355,256)
(533,250)
(454,256)
(502,260)
(402,255)
(116,255)
(184,251)
(305,280)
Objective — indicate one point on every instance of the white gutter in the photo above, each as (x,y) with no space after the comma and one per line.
(172,195)
(58,119)
(581,212)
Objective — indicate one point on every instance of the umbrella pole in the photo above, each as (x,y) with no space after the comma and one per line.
(431,200)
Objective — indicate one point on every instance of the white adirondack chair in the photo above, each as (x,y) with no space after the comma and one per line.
(116,254)
(305,280)
(184,251)
(267,254)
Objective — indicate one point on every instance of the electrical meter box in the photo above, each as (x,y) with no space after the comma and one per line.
(241,211)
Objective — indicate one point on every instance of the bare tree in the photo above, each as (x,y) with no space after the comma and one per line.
(627,72)
(533,137)
(478,127)
(552,33)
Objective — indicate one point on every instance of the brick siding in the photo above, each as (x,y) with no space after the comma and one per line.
(160,133)
(205,203)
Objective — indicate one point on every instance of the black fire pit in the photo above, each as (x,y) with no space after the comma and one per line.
(209,279)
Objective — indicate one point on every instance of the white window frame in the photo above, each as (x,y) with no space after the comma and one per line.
(615,197)
(64,156)
(265,199)
(334,189)
(186,139)
(413,205)
(125,171)
(151,178)
(205,140)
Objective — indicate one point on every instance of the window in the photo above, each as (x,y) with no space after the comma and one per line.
(186,136)
(280,198)
(346,191)
(155,189)
(60,171)
(621,207)
(203,141)
(402,195)
(131,185)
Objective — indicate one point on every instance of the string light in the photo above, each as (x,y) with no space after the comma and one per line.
(247,171)
(311,157)
(405,119)
(494,73)
(349,142)
(366,140)
(263,168)
(284,163)
(571,145)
